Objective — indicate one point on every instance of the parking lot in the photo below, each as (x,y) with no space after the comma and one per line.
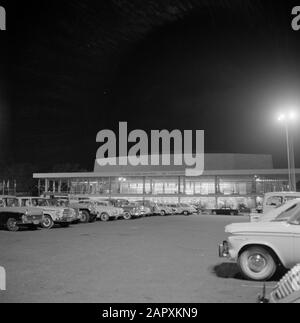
(153,259)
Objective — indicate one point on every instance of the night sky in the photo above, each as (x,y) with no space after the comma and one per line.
(71,68)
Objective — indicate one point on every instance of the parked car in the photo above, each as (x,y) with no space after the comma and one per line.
(187,209)
(66,204)
(105,210)
(130,210)
(87,210)
(286,291)
(225,211)
(175,208)
(243,209)
(13,216)
(147,207)
(182,208)
(163,209)
(260,248)
(52,214)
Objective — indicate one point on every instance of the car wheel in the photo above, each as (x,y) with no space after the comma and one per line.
(127,216)
(186,213)
(104,217)
(214,213)
(47,222)
(11,225)
(85,216)
(162,213)
(257,263)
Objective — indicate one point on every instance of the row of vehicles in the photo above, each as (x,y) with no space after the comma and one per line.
(33,212)
(269,242)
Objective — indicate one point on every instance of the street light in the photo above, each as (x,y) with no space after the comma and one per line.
(287,118)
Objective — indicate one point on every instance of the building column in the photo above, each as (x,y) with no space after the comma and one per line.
(217,185)
(217,190)
(254,188)
(144,186)
(109,188)
(46,185)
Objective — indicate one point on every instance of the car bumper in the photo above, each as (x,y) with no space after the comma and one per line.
(137,214)
(224,250)
(30,222)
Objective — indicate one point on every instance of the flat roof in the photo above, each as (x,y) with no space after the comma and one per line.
(249,172)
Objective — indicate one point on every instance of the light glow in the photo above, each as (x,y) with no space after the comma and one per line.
(289,116)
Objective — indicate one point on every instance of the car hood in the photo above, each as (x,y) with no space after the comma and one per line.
(257,227)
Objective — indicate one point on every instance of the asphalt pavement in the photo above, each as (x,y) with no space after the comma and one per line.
(152,260)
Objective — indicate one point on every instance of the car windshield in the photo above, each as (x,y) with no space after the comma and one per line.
(101,203)
(62,203)
(55,203)
(288,213)
(85,202)
(40,202)
(295,219)
(12,202)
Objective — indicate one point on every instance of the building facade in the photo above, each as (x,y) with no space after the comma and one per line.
(228,180)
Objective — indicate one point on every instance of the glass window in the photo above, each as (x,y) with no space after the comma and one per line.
(165,186)
(40,202)
(236,185)
(129,186)
(203,186)
(275,201)
(295,219)
(12,202)
(285,215)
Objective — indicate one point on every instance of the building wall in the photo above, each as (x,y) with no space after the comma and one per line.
(211,162)
(211,191)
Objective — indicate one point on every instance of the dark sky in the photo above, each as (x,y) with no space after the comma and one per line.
(72,68)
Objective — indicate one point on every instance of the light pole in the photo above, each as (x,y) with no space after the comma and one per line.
(286,119)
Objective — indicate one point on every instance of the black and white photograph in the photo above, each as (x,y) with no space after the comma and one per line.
(149,154)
